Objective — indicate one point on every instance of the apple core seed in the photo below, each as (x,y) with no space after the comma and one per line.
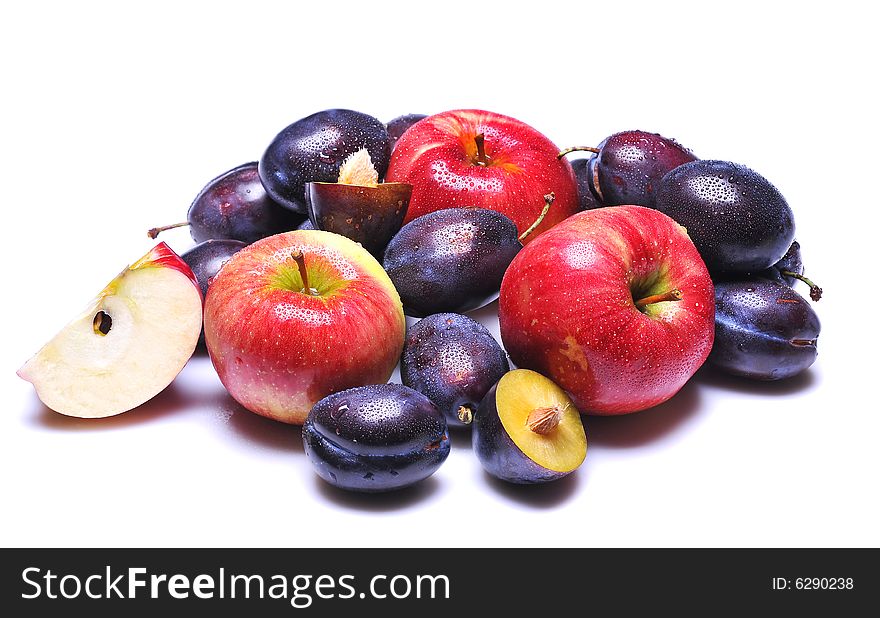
(102,323)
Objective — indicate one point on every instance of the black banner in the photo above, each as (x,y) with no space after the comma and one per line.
(518,582)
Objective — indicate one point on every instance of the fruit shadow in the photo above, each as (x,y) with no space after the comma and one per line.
(804,381)
(539,496)
(378,502)
(460,438)
(258,430)
(640,428)
(170,401)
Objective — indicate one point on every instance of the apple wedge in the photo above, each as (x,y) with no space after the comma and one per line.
(127,346)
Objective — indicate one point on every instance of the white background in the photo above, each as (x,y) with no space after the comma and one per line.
(114,117)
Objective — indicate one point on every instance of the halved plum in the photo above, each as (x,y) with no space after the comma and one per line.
(357,206)
(527,430)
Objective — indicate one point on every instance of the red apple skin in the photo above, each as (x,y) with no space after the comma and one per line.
(163,256)
(277,350)
(567,309)
(438,156)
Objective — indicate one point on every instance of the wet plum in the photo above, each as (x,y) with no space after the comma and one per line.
(306,225)
(738,220)
(235,206)
(790,269)
(399,125)
(312,150)
(631,164)
(764,330)
(208,257)
(454,361)
(375,438)
(452,260)
(583,172)
(787,267)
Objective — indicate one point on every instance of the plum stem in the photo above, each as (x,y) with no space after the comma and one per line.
(803,343)
(544,420)
(674,294)
(155,231)
(465,414)
(562,153)
(482,158)
(300,260)
(548,200)
(815,290)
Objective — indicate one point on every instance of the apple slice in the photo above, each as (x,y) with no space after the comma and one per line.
(127,346)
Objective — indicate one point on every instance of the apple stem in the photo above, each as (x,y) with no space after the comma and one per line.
(300,260)
(153,232)
(482,159)
(674,294)
(465,414)
(815,290)
(548,199)
(562,153)
(544,420)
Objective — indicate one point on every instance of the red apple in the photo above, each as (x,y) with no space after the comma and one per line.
(297,316)
(129,343)
(473,158)
(615,305)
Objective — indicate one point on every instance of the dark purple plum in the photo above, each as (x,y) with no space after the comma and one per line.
(790,269)
(312,150)
(451,260)
(206,259)
(630,165)
(788,266)
(375,438)
(583,172)
(399,125)
(235,206)
(306,225)
(454,361)
(740,222)
(764,330)
(527,430)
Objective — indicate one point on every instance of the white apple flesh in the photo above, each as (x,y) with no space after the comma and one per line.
(127,346)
